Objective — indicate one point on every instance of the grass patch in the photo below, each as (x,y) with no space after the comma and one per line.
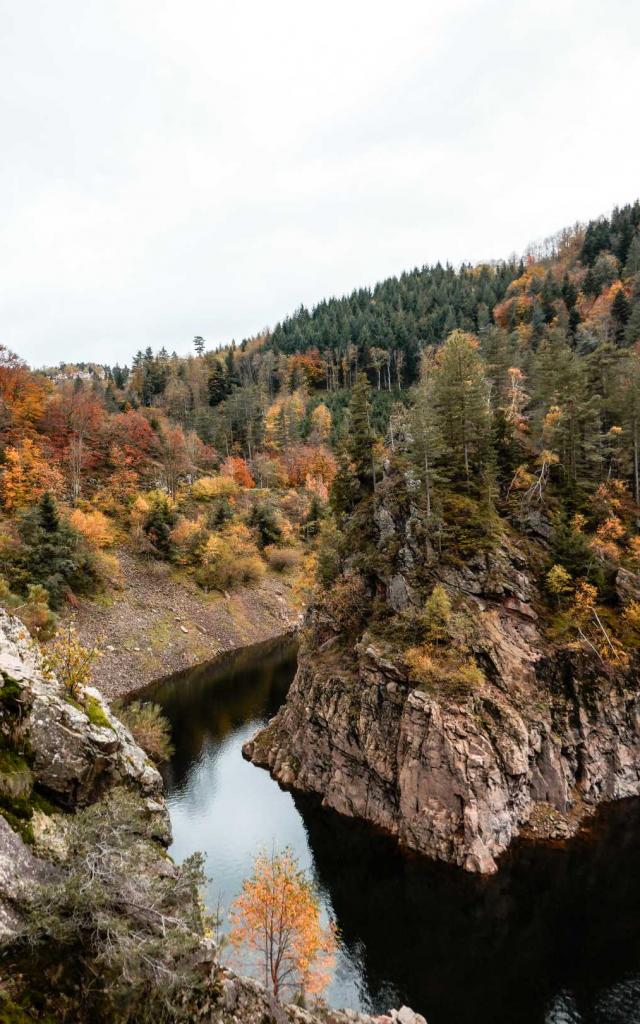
(149,727)
(160,633)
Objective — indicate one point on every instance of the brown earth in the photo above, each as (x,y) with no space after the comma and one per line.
(161,622)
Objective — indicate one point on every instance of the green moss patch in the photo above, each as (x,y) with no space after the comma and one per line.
(95,713)
(10,691)
(92,708)
(16,779)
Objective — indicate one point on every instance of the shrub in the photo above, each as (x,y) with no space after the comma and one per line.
(346,603)
(153,517)
(209,488)
(127,932)
(229,559)
(269,472)
(94,527)
(70,661)
(187,540)
(219,512)
(313,518)
(265,520)
(282,559)
(34,612)
(108,568)
(469,526)
(149,727)
(570,549)
(436,614)
(558,583)
(293,505)
(236,467)
(451,672)
(330,551)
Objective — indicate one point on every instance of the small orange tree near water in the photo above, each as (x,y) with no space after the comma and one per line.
(276,921)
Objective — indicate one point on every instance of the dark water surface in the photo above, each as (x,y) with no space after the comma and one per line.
(554,938)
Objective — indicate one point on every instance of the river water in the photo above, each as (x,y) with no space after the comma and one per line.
(553,938)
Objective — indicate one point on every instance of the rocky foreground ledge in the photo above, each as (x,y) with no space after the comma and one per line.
(61,759)
(550,733)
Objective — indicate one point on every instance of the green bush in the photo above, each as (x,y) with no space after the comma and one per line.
(230,559)
(330,551)
(51,554)
(126,930)
(159,522)
(264,519)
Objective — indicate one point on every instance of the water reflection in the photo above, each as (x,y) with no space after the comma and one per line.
(554,938)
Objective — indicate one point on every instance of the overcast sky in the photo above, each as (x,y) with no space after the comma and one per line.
(181,167)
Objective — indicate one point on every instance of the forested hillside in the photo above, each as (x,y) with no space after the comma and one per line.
(469,666)
(211,460)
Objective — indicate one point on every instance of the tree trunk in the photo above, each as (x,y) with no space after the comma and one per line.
(428,485)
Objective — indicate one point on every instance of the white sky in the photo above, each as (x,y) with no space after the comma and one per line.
(181,167)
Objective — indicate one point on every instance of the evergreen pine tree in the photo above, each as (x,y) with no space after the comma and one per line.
(620,311)
(632,263)
(360,435)
(51,554)
(461,403)
(217,384)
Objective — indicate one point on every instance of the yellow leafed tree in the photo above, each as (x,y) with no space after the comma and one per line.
(320,424)
(276,921)
(26,476)
(94,527)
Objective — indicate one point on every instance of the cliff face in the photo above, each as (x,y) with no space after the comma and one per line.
(549,733)
(56,756)
(63,762)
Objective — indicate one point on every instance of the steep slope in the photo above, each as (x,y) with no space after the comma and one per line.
(457,765)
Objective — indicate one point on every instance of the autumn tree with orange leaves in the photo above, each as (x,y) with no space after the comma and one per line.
(275,922)
(26,475)
(22,396)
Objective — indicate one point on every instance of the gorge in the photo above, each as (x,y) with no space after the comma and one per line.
(549,939)
(545,733)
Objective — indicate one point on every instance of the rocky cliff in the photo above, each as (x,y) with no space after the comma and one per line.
(544,732)
(85,880)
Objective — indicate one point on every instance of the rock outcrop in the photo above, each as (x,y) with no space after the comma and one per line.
(244,1001)
(551,732)
(61,758)
(58,752)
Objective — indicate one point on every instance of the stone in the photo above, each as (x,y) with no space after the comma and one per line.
(72,758)
(398,593)
(627,586)
(20,871)
(386,526)
(406,1016)
(453,778)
